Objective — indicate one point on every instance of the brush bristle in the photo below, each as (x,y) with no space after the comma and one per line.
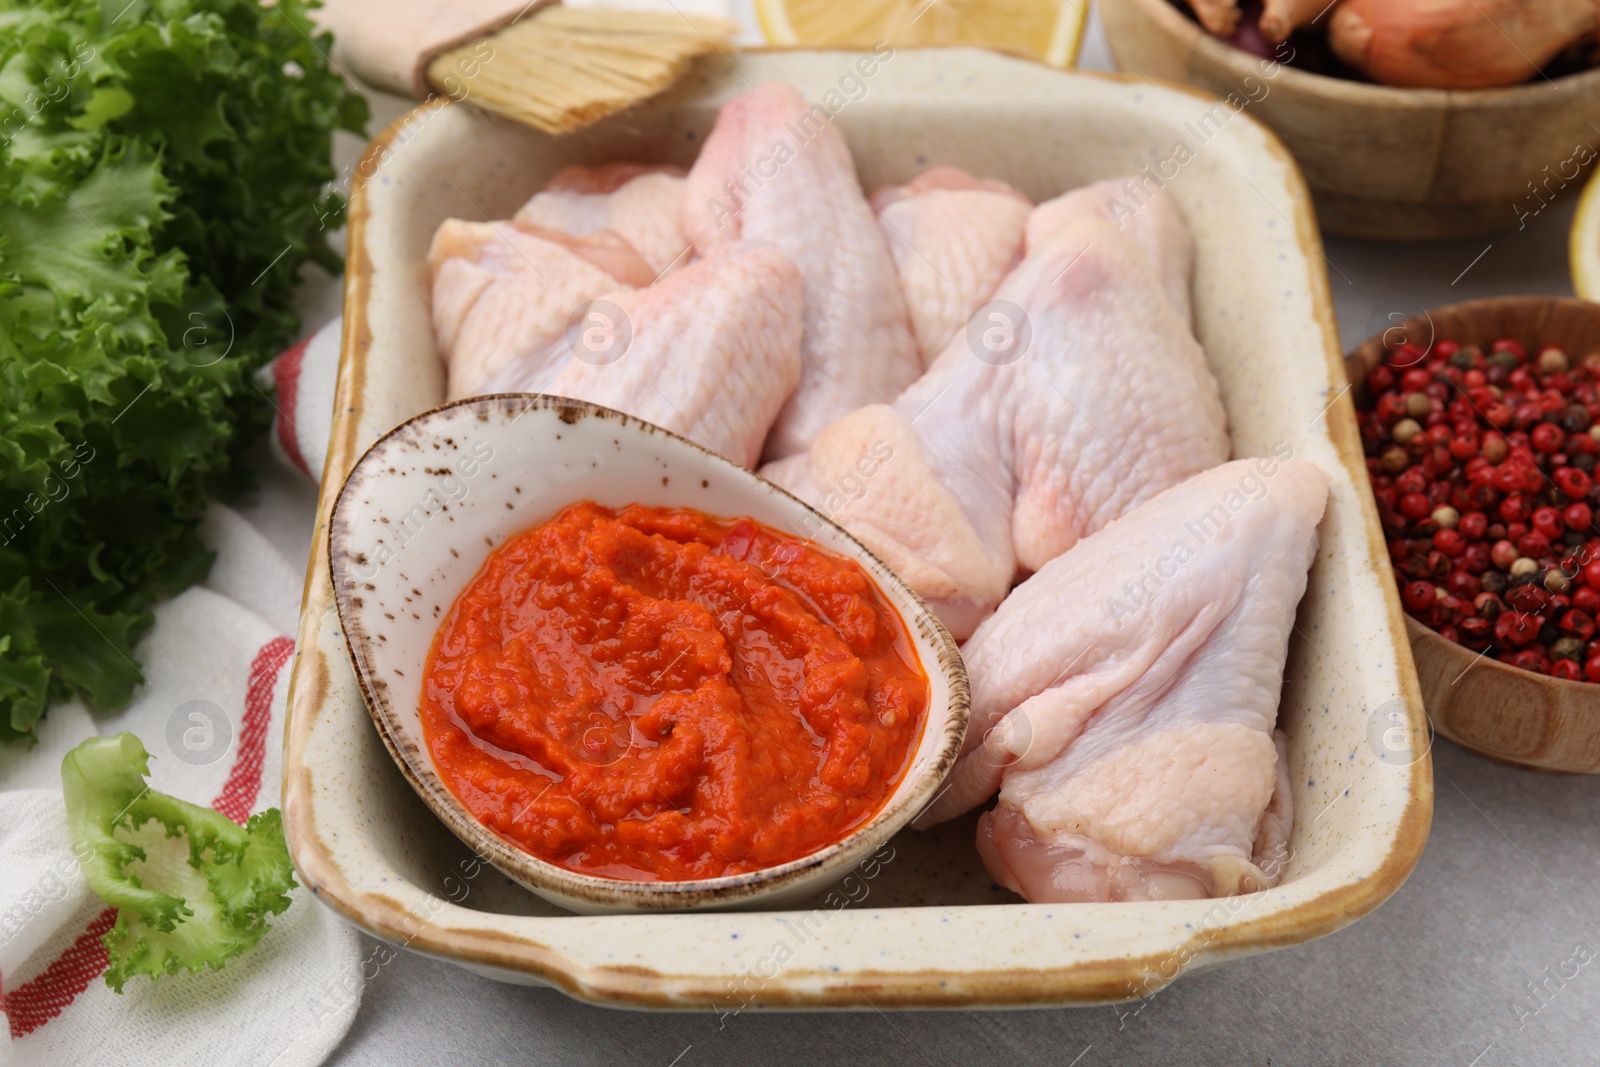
(562,68)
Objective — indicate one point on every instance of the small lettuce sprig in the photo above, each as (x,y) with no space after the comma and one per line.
(191,887)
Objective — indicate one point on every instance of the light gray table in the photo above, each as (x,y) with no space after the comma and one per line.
(1447,972)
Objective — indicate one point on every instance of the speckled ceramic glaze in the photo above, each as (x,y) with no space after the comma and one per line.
(1584,245)
(919,924)
(426,505)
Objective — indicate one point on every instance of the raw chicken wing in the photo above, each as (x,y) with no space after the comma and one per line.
(1148,216)
(1004,458)
(709,352)
(642,204)
(775,170)
(1124,697)
(953,237)
(502,291)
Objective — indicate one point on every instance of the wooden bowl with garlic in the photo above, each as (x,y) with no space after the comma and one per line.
(1422,128)
(1545,714)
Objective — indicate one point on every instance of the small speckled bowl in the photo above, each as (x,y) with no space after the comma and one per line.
(431,499)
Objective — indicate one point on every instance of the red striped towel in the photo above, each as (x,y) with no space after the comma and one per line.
(217,660)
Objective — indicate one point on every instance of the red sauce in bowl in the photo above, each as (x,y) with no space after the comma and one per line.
(658,694)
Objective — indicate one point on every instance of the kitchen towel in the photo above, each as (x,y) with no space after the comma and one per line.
(216,667)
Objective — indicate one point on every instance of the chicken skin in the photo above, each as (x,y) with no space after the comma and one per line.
(775,170)
(502,291)
(1075,395)
(1124,697)
(640,203)
(1151,220)
(709,352)
(953,238)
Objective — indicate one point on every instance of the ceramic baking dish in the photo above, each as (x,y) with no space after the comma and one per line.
(920,924)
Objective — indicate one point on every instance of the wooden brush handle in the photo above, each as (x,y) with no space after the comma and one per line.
(388,43)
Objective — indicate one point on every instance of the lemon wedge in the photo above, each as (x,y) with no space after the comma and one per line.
(1585,244)
(1048,30)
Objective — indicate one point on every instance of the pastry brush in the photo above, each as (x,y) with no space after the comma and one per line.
(553,67)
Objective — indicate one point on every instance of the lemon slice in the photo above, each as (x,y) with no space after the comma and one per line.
(1050,30)
(1585,244)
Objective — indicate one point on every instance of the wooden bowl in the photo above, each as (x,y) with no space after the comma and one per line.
(1492,707)
(1382,163)
(1584,245)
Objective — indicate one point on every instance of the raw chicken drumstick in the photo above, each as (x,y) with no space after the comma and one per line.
(774,170)
(709,352)
(953,238)
(1124,697)
(1097,398)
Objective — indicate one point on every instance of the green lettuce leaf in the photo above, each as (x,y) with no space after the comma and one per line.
(164,176)
(191,887)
